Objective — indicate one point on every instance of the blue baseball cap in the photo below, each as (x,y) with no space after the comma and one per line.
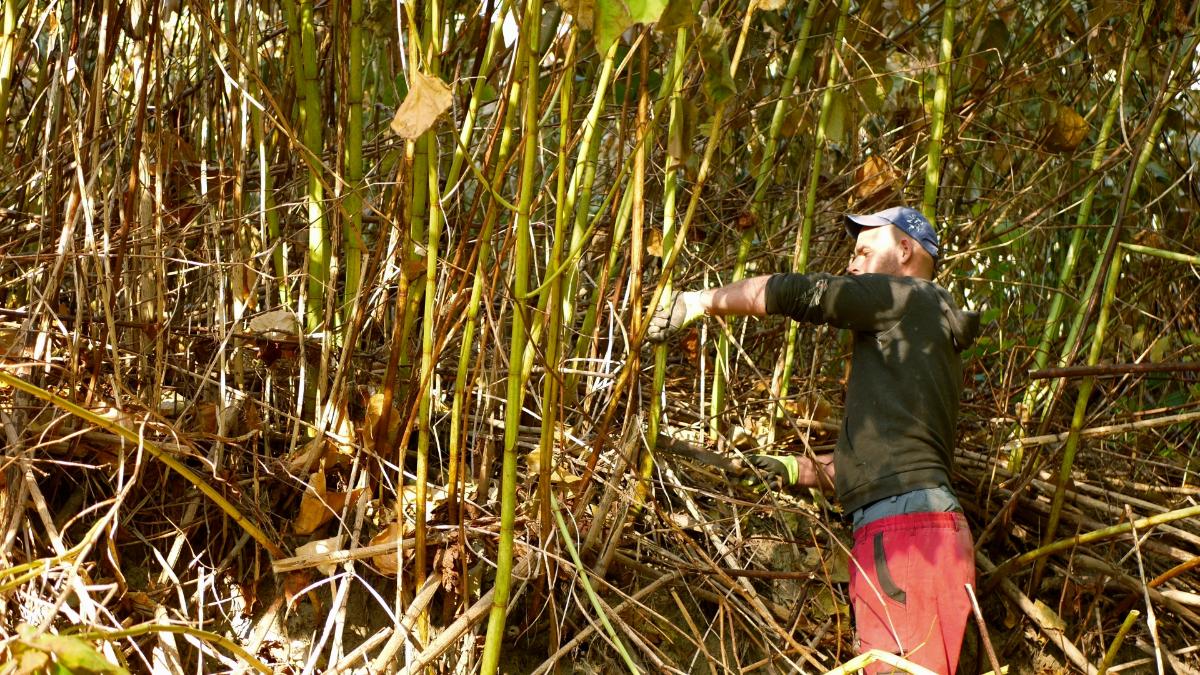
(910,221)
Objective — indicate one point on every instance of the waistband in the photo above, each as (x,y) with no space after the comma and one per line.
(949,520)
(922,500)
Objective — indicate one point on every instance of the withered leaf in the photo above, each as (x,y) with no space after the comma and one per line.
(654,243)
(874,177)
(373,436)
(388,563)
(277,323)
(428,97)
(321,547)
(313,512)
(1065,128)
(583,11)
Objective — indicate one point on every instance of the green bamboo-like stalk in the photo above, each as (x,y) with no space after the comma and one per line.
(601,614)
(762,178)
(637,196)
(8,40)
(583,177)
(670,242)
(1160,253)
(1078,320)
(595,303)
(529,58)
(428,357)
(762,174)
(933,163)
(1110,654)
(1008,566)
(552,331)
(471,116)
(800,253)
(482,265)
(1041,354)
(417,152)
(353,201)
(1077,419)
(310,106)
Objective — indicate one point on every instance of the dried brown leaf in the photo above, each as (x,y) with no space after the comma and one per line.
(373,436)
(319,547)
(875,177)
(280,323)
(654,243)
(1065,128)
(388,563)
(428,97)
(313,512)
(583,11)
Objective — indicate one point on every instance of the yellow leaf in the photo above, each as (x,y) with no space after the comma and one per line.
(388,563)
(313,512)
(373,437)
(1065,129)
(769,5)
(583,11)
(428,97)
(654,243)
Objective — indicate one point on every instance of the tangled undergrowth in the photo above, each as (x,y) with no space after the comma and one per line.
(321,328)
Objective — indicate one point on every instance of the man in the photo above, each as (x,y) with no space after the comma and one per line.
(891,467)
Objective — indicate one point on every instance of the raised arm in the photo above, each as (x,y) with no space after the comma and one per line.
(747,297)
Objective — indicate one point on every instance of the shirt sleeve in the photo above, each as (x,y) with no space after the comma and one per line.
(865,302)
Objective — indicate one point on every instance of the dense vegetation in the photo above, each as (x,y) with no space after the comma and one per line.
(285,284)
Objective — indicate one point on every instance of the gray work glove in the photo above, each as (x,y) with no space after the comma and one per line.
(684,309)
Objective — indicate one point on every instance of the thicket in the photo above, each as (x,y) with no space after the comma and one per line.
(322,341)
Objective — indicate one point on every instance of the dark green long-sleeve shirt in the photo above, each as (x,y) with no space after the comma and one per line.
(905,379)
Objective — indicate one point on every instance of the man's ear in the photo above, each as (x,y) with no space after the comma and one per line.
(906,249)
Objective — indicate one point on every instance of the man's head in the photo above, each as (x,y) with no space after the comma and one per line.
(898,241)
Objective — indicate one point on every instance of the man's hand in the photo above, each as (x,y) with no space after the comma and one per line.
(777,469)
(685,309)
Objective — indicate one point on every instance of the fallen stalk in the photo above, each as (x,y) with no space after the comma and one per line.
(150,628)
(1004,569)
(1112,370)
(1101,431)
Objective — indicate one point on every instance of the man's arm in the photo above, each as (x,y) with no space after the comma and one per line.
(800,470)
(747,297)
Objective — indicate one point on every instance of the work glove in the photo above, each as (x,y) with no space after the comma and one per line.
(682,311)
(777,470)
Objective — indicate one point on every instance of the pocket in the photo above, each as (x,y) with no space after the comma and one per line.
(883,572)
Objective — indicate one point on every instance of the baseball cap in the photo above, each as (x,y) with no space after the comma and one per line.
(910,221)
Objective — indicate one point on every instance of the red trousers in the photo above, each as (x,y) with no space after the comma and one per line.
(907,587)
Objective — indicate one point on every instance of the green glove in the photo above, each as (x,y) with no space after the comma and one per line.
(687,307)
(783,469)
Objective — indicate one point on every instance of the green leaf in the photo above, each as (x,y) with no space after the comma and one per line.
(74,655)
(646,11)
(678,14)
(718,84)
(612,18)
